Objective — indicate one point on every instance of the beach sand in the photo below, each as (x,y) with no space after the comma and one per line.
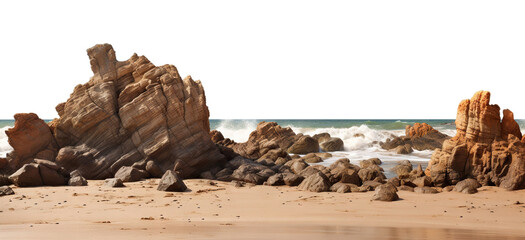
(219,210)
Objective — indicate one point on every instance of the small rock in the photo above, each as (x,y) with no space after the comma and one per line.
(113,182)
(6,190)
(171,182)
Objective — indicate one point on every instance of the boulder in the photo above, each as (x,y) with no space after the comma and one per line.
(370,174)
(297,165)
(113,183)
(171,182)
(304,145)
(332,145)
(313,159)
(77,181)
(342,187)
(316,182)
(425,181)
(275,180)
(346,175)
(403,169)
(252,173)
(321,137)
(6,190)
(130,174)
(291,179)
(371,185)
(385,192)
(403,149)
(369,162)
(421,137)
(27,176)
(50,177)
(468,186)
(224,175)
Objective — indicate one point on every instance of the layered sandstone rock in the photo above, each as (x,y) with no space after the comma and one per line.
(421,136)
(30,138)
(484,148)
(128,112)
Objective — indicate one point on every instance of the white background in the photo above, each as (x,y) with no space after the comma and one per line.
(277,59)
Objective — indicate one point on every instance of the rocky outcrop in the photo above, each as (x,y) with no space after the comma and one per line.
(485,148)
(421,137)
(129,111)
(30,138)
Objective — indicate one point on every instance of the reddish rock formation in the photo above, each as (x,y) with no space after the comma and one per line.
(30,138)
(128,112)
(484,148)
(421,136)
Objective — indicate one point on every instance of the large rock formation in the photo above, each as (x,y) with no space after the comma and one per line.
(485,148)
(129,111)
(421,136)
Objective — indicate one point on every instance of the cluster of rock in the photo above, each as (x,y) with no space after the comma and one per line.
(421,137)
(486,148)
(271,144)
(130,112)
(44,172)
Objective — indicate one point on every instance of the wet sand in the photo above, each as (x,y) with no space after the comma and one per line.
(222,211)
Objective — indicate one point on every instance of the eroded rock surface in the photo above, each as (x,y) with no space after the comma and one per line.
(485,148)
(129,111)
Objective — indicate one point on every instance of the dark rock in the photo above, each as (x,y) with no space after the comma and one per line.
(224,175)
(291,179)
(130,174)
(171,182)
(153,169)
(50,177)
(252,173)
(27,176)
(275,180)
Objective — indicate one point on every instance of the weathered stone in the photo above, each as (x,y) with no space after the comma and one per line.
(6,190)
(275,180)
(130,174)
(291,179)
(316,182)
(50,177)
(369,162)
(252,173)
(113,183)
(342,187)
(171,182)
(304,145)
(468,186)
(423,181)
(128,112)
(77,181)
(332,144)
(27,176)
(153,169)
(421,136)
(385,192)
(403,149)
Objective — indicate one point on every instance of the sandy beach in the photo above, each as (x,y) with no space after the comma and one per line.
(219,210)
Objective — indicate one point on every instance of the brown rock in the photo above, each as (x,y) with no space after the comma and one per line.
(509,125)
(130,174)
(153,169)
(404,149)
(423,181)
(332,145)
(342,187)
(385,192)
(27,176)
(50,177)
(321,137)
(421,136)
(468,186)
(216,136)
(405,188)
(484,148)
(113,183)
(171,182)
(291,179)
(317,182)
(313,159)
(252,173)
(133,111)
(30,136)
(369,162)
(304,145)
